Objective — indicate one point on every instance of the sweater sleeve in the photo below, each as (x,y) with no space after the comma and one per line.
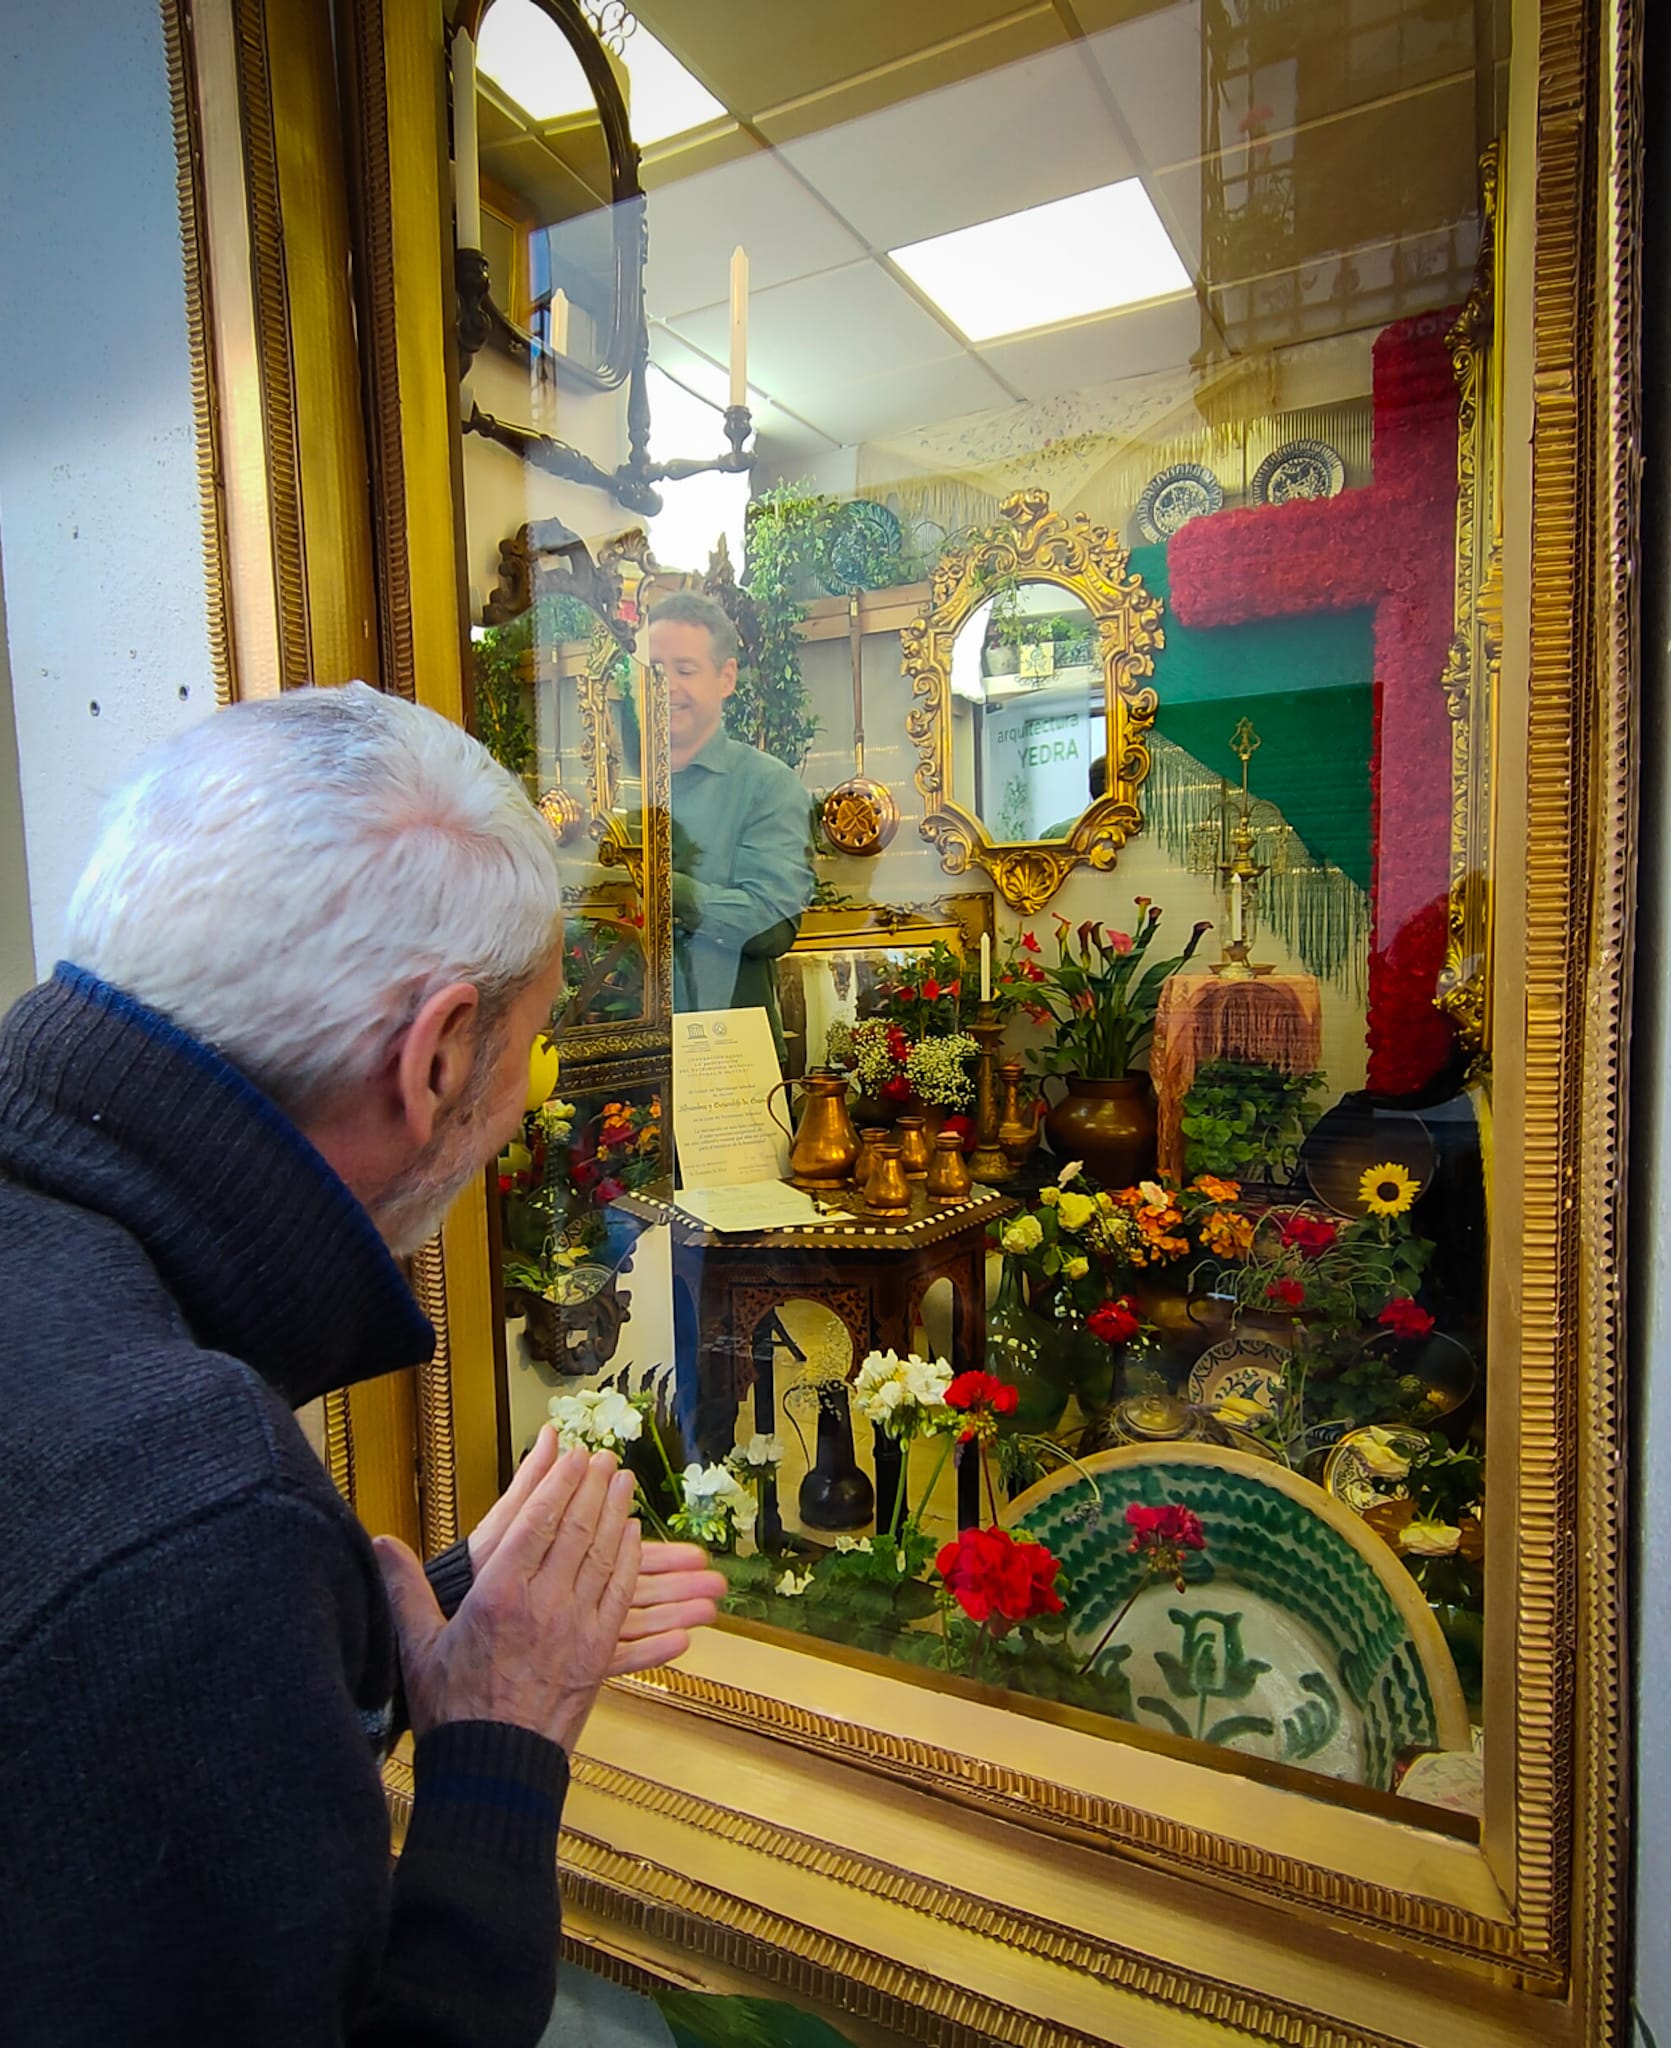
(450,1574)
(228,1816)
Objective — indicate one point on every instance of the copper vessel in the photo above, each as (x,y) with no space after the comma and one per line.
(1018,1125)
(948,1171)
(889,1192)
(914,1152)
(824,1144)
(865,1165)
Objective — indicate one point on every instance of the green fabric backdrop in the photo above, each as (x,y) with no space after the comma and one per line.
(1307,684)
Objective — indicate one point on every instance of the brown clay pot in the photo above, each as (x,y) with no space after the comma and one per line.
(1110,1125)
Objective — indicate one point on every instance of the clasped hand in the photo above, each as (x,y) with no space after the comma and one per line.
(564,1593)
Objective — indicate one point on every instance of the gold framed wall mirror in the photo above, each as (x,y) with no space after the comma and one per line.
(794,1791)
(1030,701)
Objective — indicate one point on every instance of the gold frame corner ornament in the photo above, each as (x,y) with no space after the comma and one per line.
(1032,543)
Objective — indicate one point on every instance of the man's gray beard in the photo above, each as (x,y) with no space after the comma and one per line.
(411,1209)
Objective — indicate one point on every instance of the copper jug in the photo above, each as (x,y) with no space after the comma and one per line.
(889,1192)
(865,1166)
(948,1171)
(914,1152)
(824,1144)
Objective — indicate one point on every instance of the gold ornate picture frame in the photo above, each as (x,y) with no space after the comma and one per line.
(932,1861)
(1035,545)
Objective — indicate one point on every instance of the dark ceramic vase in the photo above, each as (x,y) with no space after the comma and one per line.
(835,1494)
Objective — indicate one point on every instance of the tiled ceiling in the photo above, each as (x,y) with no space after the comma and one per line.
(1314,162)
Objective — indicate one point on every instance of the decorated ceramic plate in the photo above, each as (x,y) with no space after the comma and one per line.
(1298,1637)
(862,550)
(1186,491)
(1299,469)
(1246,1365)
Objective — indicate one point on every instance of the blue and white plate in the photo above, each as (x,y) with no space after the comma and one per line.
(1299,470)
(1186,491)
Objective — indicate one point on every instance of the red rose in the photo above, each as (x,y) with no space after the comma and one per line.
(897,1090)
(1312,1235)
(1115,1322)
(1286,1293)
(998,1580)
(964,1127)
(1405,1318)
(899,1046)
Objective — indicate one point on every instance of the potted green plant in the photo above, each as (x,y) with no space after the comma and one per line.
(1246,1120)
(1102,994)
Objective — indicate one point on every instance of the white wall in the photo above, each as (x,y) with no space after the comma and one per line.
(99,511)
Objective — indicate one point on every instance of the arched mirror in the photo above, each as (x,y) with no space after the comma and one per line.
(562,699)
(547,190)
(1030,710)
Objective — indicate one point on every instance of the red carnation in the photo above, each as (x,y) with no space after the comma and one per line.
(1312,1235)
(998,1581)
(1115,1322)
(1406,1318)
(1286,1293)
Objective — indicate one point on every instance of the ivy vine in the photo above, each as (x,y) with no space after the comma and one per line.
(784,543)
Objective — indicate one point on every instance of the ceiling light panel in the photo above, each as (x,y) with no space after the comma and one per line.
(1092,253)
(529,58)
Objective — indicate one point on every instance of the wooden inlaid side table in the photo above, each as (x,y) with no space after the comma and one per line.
(872,1272)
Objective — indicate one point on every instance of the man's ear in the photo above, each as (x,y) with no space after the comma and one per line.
(728,677)
(437,1057)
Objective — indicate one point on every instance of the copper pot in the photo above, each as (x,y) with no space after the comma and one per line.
(824,1144)
(948,1170)
(914,1154)
(1110,1125)
(889,1192)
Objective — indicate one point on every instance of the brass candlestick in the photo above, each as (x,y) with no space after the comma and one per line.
(989,1163)
(1228,849)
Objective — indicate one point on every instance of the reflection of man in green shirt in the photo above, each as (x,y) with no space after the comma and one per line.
(742,856)
(1097,778)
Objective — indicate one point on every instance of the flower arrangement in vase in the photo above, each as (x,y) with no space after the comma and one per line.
(1101,994)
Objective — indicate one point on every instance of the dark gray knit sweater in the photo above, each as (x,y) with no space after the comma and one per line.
(196,1655)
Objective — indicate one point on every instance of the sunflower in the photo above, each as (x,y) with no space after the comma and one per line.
(1388,1189)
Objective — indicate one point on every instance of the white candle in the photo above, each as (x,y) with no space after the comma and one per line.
(739,327)
(1235,910)
(986,967)
(467,177)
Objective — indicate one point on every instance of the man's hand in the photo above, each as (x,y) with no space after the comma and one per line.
(541,1625)
(676,1592)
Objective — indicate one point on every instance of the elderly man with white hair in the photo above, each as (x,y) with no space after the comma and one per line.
(305,965)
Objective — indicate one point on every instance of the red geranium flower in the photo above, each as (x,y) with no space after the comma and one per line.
(1405,1318)
(1286,1293)
(997,1580)
(1160,1536)
(1115,1322)
(983,1398)
(1311,1235)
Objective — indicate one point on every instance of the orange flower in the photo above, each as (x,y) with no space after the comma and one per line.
(1216,1190)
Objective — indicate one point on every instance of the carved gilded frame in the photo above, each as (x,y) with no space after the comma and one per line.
(931,1862)
(1036,545)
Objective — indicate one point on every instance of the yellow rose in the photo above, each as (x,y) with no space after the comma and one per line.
(1025,1234)
(1075,1211)
(543,1067)
(1076,1269)
(1243,1413)
(1430,1539)
(1050,1196)
(1381,1457)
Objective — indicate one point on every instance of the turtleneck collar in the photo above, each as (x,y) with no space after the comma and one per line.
(108,1105)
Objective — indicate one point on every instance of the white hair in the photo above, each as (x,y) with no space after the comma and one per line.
(291,880)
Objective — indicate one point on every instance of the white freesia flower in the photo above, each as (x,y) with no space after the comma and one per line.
(1430,1539)
(598,1420)
(714,1502)
(1072,1171)
(793,1584)
(761,1451)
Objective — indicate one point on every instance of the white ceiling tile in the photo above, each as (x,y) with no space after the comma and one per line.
(1152,67)
(818,332)
(697,222)
(1129,344)
(899,400)
(989,146)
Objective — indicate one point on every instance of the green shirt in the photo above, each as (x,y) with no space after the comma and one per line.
(742,860)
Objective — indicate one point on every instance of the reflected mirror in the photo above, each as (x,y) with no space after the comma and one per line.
(1029,727)
(560,210)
